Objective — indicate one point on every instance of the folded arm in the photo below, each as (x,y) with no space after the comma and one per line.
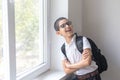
(84,62)
(68,70)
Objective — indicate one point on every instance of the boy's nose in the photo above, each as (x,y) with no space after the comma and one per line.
(66,25)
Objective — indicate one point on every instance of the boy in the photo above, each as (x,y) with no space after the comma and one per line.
(81,65)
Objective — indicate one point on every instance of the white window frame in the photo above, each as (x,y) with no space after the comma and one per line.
(9,42)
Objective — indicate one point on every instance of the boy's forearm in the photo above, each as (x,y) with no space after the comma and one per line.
(79,65)
(66,69)
(70,70)
(86,61)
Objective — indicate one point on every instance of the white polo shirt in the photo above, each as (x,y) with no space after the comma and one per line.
(75,56)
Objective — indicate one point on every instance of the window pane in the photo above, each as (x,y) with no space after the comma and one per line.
(1,45)
(28,53)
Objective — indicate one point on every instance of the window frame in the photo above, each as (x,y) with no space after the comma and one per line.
(9,48)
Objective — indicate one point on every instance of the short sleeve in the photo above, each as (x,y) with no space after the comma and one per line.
(86,43)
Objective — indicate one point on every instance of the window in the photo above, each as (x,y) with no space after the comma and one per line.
(28,51)
(25,45)
(1,46)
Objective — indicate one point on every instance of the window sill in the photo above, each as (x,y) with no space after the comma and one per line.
(52,75)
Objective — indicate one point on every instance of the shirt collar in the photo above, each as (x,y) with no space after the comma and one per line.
(72,41)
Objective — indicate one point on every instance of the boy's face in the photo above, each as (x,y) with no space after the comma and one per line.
(65,28)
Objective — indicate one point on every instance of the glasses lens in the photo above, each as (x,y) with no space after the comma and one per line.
(63,25)
(67,23)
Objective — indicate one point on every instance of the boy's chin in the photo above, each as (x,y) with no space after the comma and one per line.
(70,34)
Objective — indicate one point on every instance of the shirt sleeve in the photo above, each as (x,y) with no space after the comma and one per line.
(86,43)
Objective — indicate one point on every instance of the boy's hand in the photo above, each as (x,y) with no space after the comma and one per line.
(85,54)
(86,58)
(67,64)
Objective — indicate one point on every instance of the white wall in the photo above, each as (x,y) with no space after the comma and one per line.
(59,8)
(75,14)
(101,22)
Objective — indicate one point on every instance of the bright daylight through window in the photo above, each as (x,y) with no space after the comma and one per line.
(28,53)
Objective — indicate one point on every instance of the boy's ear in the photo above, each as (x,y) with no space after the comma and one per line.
(57,32)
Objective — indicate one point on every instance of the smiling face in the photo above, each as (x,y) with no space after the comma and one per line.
(65,28)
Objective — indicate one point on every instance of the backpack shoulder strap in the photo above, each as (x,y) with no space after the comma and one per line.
(94,48)
(92,43)
(63,51)
(79,43)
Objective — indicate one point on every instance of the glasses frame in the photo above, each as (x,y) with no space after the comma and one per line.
(69,23)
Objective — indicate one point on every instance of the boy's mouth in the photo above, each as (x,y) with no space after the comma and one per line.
(69,30)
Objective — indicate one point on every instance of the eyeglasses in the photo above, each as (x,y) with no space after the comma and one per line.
(69,23)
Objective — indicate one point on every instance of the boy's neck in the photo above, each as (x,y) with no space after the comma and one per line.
(68,39)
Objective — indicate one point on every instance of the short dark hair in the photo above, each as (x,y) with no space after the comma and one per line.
(56,24)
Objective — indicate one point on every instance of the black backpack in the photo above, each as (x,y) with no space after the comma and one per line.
(97,56)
